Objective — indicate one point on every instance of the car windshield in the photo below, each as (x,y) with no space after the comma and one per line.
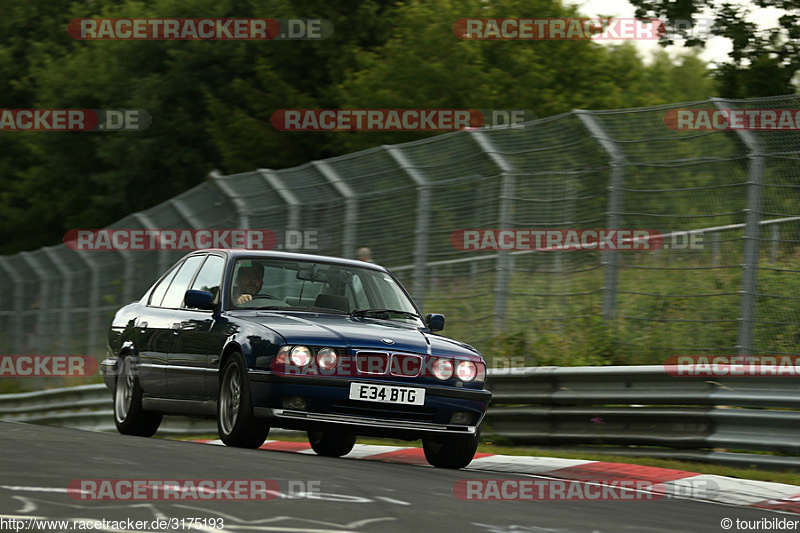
(293,285)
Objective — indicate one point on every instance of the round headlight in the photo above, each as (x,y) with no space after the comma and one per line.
(442,368)
(327,358)
(300,356)
(466,371)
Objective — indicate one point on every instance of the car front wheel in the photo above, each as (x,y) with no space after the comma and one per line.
(235,421)
(331,443)
(450,451)
(129,416)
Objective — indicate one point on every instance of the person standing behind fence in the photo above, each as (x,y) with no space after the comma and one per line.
(365,254)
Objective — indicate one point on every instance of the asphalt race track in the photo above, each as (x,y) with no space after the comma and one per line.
(348,495)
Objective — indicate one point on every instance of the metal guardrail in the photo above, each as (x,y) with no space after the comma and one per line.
(88,407)
(641,410)
(628,410)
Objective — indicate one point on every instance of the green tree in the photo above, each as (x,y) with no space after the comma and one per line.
(763,61)
(211,102)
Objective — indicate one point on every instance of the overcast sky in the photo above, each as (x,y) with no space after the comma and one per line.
(716,49)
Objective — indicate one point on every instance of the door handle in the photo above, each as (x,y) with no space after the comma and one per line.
(176,327)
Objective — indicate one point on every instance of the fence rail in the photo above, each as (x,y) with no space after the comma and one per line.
(626,410)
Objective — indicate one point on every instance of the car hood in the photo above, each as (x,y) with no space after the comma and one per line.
(344,331)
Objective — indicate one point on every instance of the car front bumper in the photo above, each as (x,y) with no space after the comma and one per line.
(329,406)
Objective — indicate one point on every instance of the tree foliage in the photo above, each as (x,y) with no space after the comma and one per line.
(211,100)
(763,61)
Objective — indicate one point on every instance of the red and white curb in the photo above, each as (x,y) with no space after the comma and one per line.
(733,491)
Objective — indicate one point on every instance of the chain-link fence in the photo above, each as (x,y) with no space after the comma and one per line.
(739,292)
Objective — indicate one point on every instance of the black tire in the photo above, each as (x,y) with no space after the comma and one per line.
(450,451)
(129,416)
(331,443)
(235,421)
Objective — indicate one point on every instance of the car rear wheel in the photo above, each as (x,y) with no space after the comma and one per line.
(129,416)
(235,421)
(450,451)
(331,443)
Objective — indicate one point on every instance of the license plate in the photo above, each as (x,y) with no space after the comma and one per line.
(387,394)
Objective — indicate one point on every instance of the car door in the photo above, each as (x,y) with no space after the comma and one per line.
(186,364)
(152,336)
(164,328)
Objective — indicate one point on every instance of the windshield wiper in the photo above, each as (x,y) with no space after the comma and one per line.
(386,312)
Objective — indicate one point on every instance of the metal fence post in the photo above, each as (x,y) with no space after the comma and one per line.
(44,301)
(505,261)
(423,218)
(128,273)
(614,213)
(755,173)
(350,205)
(149,225)
(66,291)
(186,212)
(776,238)
(94,300)
(18,305)
(294,205)
(218,180)
(274,181)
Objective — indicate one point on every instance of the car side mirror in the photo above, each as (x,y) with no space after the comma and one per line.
(434,322)
(199,299)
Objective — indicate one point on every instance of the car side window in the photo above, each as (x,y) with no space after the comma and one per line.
(210,275)
(180,284)
(158,293)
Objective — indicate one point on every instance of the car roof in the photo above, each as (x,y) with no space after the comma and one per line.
(238,253)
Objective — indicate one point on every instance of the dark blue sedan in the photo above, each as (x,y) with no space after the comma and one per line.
(330,346)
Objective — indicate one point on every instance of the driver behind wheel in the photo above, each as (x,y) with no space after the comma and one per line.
(248,283)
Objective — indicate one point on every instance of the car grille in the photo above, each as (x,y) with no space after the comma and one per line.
(372,362)
(382,363)
(406,365)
